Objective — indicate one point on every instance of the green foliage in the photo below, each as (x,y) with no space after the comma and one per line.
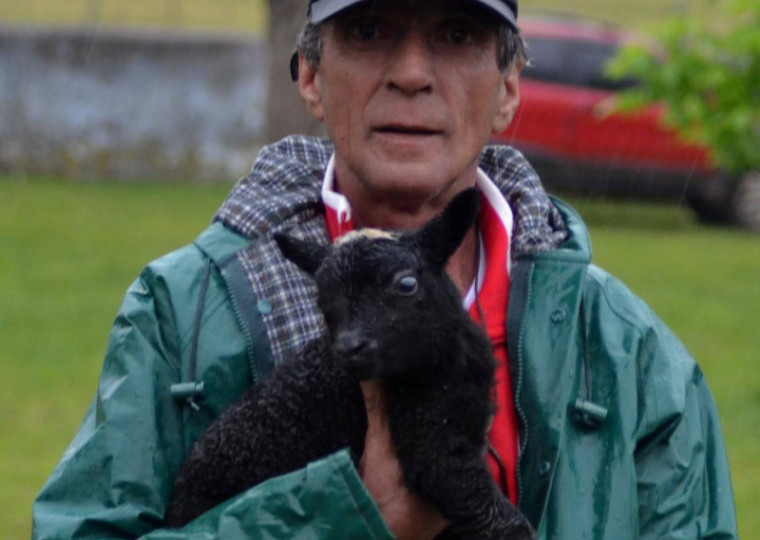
(705,68)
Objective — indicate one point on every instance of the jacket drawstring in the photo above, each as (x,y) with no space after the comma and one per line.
(587,412)
(191,391)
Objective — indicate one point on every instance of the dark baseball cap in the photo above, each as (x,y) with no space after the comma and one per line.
(319,10)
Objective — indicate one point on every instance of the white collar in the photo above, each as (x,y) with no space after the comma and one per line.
(342,208)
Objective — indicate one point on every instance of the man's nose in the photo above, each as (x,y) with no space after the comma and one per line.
(411,65)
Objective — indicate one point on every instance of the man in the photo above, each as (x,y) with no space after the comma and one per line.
(604,429)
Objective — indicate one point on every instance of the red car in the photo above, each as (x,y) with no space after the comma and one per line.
(568,130)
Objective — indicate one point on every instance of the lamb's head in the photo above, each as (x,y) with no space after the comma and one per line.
(390,308)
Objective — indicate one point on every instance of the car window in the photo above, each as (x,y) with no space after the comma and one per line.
(573,62)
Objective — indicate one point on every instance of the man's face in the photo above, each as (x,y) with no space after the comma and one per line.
(410,92)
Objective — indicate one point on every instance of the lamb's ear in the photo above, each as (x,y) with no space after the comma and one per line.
(440,237)
(306,255)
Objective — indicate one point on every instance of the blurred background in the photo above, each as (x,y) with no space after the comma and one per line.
(124,124)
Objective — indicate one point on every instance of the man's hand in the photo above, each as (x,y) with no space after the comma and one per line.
(407,515)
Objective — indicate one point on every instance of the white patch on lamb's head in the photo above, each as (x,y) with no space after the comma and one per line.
(370,234)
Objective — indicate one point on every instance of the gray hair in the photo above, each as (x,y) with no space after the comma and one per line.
(511,47)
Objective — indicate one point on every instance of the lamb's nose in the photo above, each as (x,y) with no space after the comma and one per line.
(357,353)
(351,343)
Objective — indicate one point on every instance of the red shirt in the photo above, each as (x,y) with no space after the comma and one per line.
(492,301)
(489,295)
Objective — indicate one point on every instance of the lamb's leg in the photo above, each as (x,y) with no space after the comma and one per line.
(444,463)
(466,494)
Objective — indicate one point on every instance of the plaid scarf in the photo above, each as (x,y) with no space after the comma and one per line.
(282,193)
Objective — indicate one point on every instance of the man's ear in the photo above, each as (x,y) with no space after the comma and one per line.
(306,255)
(310,87)
(509,98)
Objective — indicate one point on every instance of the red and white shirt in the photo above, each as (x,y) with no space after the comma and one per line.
(488,294)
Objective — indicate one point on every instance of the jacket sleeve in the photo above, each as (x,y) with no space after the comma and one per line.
(115,477)
(683,481)
(325,500)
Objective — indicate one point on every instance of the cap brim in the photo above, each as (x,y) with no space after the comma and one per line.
(321,10)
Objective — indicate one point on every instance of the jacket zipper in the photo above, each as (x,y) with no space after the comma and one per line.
(243,327)
(523,440)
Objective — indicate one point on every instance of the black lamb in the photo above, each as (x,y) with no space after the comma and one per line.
(392,314)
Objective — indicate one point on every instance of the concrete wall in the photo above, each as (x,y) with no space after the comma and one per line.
(97,103)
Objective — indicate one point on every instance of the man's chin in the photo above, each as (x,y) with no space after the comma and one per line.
(415,179)
(403,145)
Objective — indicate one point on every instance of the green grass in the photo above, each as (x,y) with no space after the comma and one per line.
(69,250)
(241,15)
(251,15)
(624,12)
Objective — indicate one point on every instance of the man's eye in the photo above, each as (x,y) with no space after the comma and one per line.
(459,36)
(366,30)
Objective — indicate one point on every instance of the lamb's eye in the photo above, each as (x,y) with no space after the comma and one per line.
(407,285)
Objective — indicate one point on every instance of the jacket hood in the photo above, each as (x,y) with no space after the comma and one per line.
(283,193)
(577,238)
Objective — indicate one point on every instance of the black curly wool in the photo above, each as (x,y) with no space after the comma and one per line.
(393,315)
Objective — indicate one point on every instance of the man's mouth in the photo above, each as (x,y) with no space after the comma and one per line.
(395,129)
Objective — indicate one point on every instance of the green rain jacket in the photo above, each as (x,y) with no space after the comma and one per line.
(619,435)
